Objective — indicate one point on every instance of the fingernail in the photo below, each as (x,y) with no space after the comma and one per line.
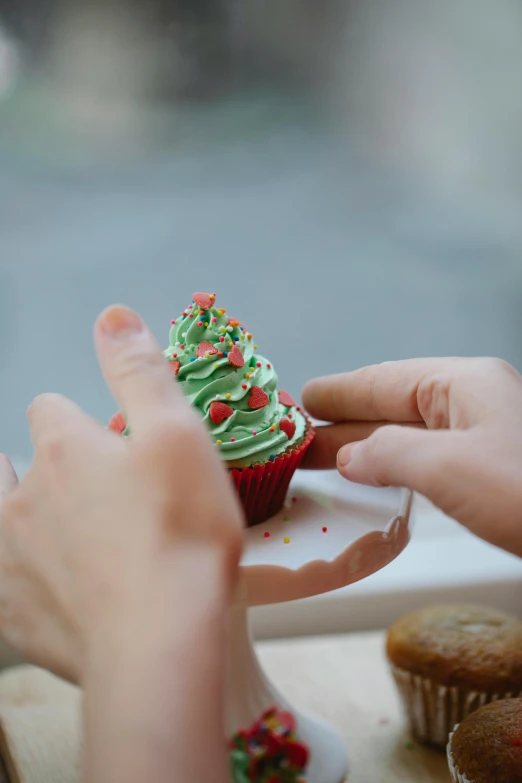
(345,455)
(120,322)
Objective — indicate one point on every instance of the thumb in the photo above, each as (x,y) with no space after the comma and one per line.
(430,462)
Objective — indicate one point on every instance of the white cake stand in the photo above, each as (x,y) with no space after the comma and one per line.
(337,533)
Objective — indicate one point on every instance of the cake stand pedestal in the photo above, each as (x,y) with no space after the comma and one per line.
(331,533)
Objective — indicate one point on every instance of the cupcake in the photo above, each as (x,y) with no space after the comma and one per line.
(449,660)
(259,431)
(487,746)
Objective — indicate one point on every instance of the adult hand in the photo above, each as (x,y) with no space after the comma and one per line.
(450,429)
(118,557)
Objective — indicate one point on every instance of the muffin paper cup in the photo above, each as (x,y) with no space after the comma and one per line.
(456,775)
(262,489)
(434,710)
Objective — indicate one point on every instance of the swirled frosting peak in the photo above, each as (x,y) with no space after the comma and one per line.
(234,389)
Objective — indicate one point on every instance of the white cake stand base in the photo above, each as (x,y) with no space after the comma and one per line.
(250,693)
(331,533)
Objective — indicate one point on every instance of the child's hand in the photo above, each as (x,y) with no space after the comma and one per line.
(105,532)
(470,466)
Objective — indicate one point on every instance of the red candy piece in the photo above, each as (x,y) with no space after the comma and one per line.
(285,399)
(204,348)
(258,398)
(288,427)
(203,300)
(297,755)
(236,358)
(288,721)
(175,367)
(118,423)
(219,411)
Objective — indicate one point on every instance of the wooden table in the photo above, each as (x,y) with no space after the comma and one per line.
(344,679)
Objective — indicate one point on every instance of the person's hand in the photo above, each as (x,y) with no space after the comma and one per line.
(105,532)
(470,462)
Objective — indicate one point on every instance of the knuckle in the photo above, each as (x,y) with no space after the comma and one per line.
(333,397)
(380,441)
(137,361)
(384,436)
(52,449)
(433,397)
(369,377)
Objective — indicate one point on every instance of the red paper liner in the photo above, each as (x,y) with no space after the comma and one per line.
(262,489)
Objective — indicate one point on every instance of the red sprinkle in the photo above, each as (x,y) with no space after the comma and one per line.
(219,411)
(182,347)
(221,339)
(220,354)
(200,323)
(325,529)
(258,398)
(232,440)
(204,348)
(267,534)
(203,300)
(258,364)
(288,427)
(244,386)
(117,423)
(173,322)
(236,358)
(285,399)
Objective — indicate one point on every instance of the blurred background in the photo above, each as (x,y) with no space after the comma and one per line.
(346,174)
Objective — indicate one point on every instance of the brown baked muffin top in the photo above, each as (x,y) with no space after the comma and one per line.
(461,645)
(487,746)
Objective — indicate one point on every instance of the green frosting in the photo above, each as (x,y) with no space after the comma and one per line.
(247,435)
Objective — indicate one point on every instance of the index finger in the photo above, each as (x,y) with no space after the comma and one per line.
(52,415)
(135,369)
(381,392)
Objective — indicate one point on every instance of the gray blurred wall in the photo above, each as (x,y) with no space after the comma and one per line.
(349,181)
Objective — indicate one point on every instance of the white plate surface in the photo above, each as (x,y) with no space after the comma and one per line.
(366,528)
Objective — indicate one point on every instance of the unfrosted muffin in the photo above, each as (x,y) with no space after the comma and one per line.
(257,428)
(449,660)
(487,746)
